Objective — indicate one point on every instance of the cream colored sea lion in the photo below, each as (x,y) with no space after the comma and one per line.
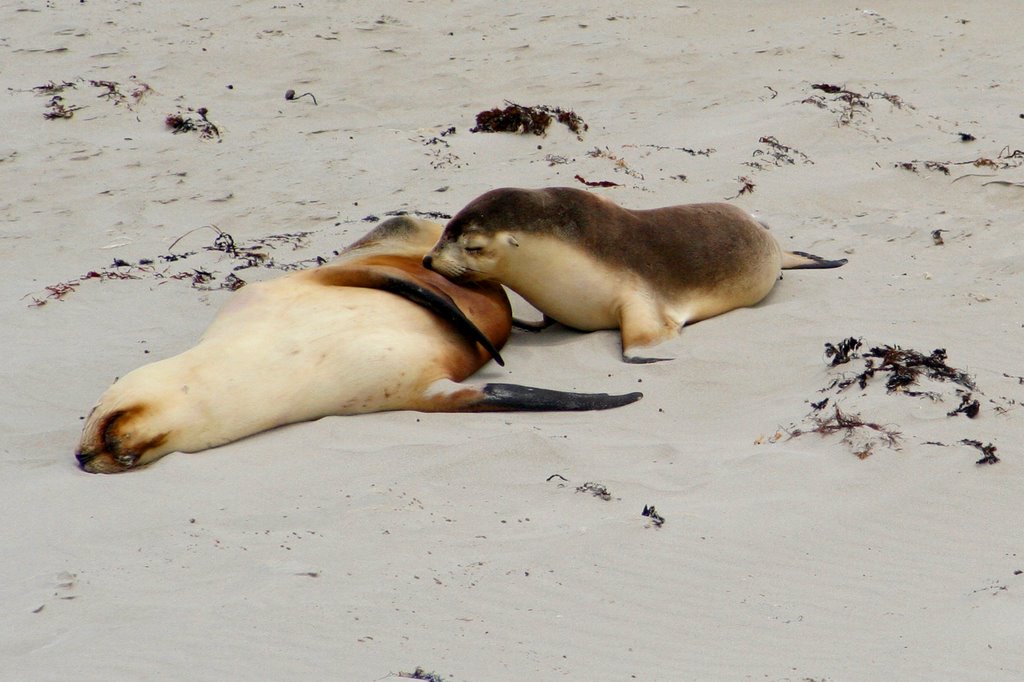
(590,264)
(333,340)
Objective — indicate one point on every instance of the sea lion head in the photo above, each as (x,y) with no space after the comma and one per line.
(116,440)
(473,255)
(477,242)
(141,417)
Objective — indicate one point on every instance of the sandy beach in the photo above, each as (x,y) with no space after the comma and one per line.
(817,525)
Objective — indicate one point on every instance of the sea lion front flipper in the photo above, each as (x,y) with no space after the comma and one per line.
(400,283)
(448,396)
(642,326)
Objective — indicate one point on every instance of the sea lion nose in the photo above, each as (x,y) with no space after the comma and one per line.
(428,262)
(84,457)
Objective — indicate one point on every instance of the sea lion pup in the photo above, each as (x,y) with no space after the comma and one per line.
(333,340)
(590,264)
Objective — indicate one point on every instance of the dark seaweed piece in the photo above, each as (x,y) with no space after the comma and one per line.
(112,93)
(179,124)
(232,282)
(58,109)
(1005,159)
(53,88)
(199,277)
(571,120)
(905,366)
(861,379)
(595,489)
(184,123)
(841,422)
(291,96)
(692,152)
(849,102)
(172,257)
(512,119)
(988,450)
(60,290)
(597,183)
(968,406)
(830,89)
(515,118)
(656,518)
(420,674)
(842,352)
(747,187)
(780,154)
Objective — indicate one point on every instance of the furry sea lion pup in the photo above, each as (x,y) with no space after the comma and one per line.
(368,332)
(588,263)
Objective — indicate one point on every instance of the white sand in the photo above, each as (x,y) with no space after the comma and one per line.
(358,548)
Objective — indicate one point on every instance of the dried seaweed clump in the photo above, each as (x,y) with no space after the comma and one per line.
(421,674)
(58,109)
(848,103)
(904,367)
(595,489)
(903,370)
(776,154)
(252,255)
(187,123)
(852,427)
(516,118)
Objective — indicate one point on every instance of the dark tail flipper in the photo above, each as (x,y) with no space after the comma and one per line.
(512,397)
(448,396)
(798,260)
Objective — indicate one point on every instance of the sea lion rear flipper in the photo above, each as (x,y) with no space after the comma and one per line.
(530,399)
(527,326)
(799,260)
(398,282)
(447,396)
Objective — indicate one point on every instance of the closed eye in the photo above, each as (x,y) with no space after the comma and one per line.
(474,249)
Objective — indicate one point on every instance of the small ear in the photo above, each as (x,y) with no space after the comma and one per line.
(512,240)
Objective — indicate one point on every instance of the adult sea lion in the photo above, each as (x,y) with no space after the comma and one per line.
(588,263)
(371,331)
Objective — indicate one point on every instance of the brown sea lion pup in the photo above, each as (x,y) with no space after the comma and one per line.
(590,264)
(371,331)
